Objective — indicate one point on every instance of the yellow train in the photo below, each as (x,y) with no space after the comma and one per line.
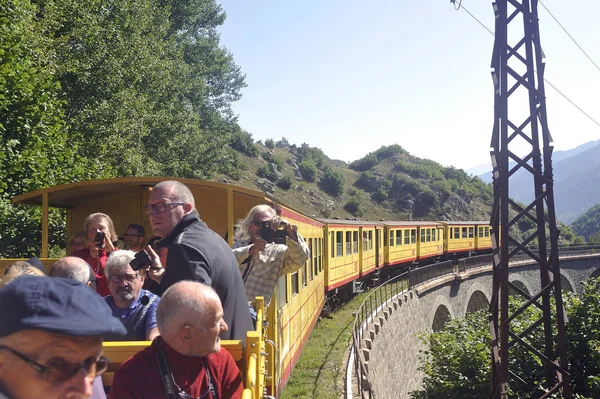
(344,255)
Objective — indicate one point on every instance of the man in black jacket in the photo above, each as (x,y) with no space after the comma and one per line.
(196,253)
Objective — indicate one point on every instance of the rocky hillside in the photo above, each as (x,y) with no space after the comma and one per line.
(389,184)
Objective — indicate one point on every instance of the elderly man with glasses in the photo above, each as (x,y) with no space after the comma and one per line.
(127,300)
(51,338)
(196,253)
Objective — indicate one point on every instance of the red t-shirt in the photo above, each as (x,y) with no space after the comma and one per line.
(98,267)
(139,377)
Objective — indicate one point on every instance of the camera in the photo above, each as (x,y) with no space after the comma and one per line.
(140,260)
(99,239)
(269,235)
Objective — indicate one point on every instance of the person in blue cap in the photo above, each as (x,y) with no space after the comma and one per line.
(51,338)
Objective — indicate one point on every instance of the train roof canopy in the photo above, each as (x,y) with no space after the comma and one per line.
(71,194)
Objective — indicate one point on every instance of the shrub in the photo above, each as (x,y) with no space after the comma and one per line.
(308,170)
(353,206)
(270,143)
(285,182)
(332,182)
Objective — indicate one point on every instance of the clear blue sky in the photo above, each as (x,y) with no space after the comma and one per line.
(349,76)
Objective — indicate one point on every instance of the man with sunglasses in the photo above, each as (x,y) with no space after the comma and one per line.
(127,300)
(186,361)
(51,338)
(196,253)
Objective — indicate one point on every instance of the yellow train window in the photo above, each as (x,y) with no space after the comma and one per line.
(432,234)
(348,242)
(339,244)
(464,232)
(399,237)
(282,290)
(355,242)
(413,236)
(391,238)
(295,285)
(422,235)
(471,231)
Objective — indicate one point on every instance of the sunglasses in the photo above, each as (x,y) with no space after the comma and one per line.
(60,371)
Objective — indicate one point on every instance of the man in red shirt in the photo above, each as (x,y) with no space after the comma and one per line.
(186,360)
(96,253)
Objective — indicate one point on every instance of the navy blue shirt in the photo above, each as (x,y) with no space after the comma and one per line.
(143,317)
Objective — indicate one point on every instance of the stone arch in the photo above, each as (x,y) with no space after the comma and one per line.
(441,317)
(595,274)
(481,290)
(477,301)
(565,283)
(520,282)
(443,313)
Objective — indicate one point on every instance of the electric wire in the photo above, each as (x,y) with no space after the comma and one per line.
(570,37)
(460,6)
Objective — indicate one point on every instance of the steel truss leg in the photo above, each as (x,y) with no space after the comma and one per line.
(521,143)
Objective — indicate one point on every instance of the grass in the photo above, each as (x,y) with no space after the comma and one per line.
(319,371)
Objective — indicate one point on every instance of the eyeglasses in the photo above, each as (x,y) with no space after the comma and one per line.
(61,371)
(130,278)
(160,207)
(126,235)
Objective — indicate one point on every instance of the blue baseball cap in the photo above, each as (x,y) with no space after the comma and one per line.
(55,305)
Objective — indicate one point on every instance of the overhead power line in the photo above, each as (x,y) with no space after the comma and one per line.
(570,37)
(460,6)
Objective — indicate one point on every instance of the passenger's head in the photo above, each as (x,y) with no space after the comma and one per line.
(78,241)
(133,238)
(169,202)
(124,283)
(72,268)
(51,330)
(190,318)
(19,269)
(99,222)
(249,227)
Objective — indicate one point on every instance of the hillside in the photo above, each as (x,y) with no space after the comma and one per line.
(588,224)
(389,184)
(576,181)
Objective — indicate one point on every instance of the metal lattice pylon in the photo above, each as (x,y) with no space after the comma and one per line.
(521,142)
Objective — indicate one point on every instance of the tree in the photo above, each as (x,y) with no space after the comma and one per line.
(270,143)
(332,182)
(456,362)
(308,170)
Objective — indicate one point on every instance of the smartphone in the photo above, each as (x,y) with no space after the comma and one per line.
(141,260)
(99,239)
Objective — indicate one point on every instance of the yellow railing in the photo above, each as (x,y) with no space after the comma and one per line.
(249,358)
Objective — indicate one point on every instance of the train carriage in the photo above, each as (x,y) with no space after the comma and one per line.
(299,296)
(342,254)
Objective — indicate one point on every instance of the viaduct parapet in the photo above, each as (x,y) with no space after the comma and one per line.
(391,351)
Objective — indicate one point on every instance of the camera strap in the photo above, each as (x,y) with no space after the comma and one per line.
(248,268)
(169,380)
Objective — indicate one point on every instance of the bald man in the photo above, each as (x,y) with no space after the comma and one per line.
(187,357)
(74,268)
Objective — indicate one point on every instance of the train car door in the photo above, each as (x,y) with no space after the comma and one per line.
(377,249)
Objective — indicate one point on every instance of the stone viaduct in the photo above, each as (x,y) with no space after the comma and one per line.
(392,359)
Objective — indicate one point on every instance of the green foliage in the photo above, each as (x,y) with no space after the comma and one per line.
(271,158)
(308,170)
(332,182)
(588,224)
(456,362)
(353,206)
(266,172)
(242,141)
(583,332)
(594,239)
(374,158)
(270,143)
(285,182)
(283,143)
(311,154)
